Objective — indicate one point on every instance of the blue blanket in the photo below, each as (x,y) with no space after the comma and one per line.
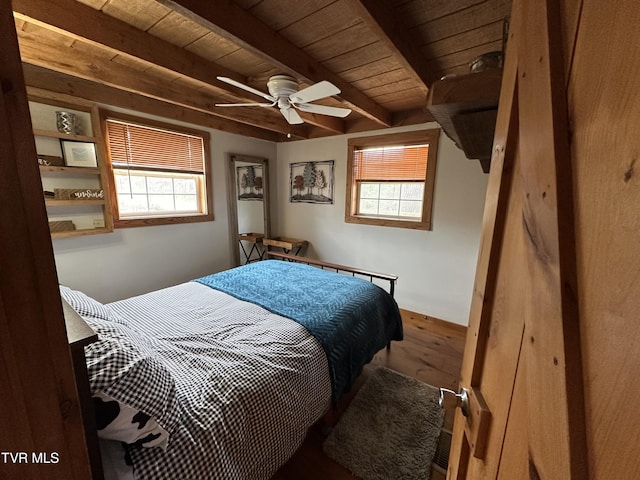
(350,317)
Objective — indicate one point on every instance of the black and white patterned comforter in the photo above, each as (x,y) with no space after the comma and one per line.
(249,383)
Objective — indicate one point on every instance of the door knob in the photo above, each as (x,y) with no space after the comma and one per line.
(462,399)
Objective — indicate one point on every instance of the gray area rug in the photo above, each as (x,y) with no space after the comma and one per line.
(391,429)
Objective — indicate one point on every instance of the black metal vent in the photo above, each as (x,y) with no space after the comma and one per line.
(441,457)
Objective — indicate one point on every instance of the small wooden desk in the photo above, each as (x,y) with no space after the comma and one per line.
(286,244)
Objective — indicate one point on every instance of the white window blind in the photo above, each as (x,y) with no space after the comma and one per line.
(137,146)
(400,163)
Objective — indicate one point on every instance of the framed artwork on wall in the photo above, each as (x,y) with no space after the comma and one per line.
(79,154)
(249,182)
(311,182)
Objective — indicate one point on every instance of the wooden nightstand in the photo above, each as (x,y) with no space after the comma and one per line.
(80,335)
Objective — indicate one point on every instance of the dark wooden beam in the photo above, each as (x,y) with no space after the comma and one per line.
(84,23)
(42,78)
(79,63)
(232,22)
(384,22)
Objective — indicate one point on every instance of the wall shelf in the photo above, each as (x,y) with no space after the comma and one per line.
(85,217)
(50,202)
(466,106)
(78,233)
(64,136)
(75,170)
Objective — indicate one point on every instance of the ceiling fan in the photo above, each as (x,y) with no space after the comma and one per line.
(284,93)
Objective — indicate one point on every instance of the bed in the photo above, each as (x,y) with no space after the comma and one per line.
(222,376)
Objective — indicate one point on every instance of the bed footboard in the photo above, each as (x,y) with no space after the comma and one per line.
(338,268)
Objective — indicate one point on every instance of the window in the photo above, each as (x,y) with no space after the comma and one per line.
(159,172)
(390,179)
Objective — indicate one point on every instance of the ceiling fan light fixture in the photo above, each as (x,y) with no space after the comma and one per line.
(282,86)
(285,92)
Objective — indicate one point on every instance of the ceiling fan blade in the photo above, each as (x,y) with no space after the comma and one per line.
(323,110)
(235,83)
(245,104)
(315,92)
(291,116)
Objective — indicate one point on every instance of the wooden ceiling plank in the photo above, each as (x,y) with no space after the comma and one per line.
(43,78)
(391,77)
(419,12)
(358,57)
(464,20)
(323,23)
(279,14)
(246,63)
(396,89)
(371,69)
(447,62)
(142,14)
(327,47)
(381,19)
(176,29)
(228,19)
(211,46)
(478,36)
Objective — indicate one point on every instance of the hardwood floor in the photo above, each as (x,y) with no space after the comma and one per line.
(430,352)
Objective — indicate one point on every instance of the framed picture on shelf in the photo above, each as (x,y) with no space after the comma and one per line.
(79,154)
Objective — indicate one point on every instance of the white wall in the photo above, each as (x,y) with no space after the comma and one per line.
(436,268)
(131,261)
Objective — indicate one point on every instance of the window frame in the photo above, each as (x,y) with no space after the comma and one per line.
(171,219)
(416,137)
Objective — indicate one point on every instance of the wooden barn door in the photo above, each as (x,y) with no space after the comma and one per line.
(522,368)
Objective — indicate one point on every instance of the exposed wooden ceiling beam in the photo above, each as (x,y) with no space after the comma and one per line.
(45,79)
(230,21)
(86,24)
(76,62)
(384,22)
(332,124)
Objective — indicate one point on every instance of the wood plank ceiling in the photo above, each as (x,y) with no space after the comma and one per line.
(162,57)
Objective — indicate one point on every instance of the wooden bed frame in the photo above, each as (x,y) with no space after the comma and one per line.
(337,268)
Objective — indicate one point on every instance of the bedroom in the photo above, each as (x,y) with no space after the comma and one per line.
(322,155)
(146,258)
(447,254)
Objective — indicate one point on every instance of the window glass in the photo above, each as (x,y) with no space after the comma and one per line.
(390,179)
(159,172)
